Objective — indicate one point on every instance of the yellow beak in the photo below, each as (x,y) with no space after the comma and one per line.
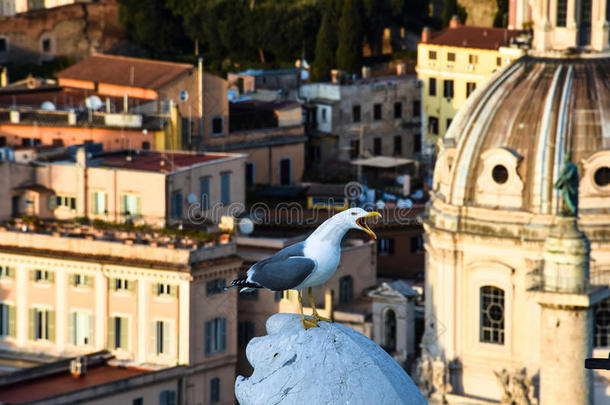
(364,226)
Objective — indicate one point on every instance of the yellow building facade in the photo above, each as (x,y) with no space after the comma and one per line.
(452,64)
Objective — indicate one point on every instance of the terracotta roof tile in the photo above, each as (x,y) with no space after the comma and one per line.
(474,37)
(158,161)
(117,70)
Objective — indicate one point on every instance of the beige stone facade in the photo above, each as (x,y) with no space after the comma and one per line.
(499,295)
(122,188)
(150,306)
(74,31)
(371,116)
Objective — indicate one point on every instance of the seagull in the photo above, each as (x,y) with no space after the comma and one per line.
(306,264)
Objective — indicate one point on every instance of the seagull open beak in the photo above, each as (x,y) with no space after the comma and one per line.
(364,226)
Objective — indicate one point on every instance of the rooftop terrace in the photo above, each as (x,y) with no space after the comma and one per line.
(103,242)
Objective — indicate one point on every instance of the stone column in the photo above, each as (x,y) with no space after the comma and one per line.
(566,299)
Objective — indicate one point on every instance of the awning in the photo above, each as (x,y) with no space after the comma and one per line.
(382,162)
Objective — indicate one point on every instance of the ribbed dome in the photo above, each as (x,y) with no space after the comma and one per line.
(506,145)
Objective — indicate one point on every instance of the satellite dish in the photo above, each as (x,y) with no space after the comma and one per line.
(183,96)
(47,106)
(93,102)
(246,226)
(191,198)
(404,203)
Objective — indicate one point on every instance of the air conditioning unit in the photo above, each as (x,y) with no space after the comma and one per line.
(78,366)
(470,68)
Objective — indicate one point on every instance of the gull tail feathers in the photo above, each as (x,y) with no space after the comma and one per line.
(243,284)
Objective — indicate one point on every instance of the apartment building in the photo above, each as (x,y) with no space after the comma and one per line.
(272,135)
(153,302)
(144,187)
(201,97)
(371,116)
(452,63)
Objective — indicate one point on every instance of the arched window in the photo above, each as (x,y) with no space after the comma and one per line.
(346,290)
(601,324)
(389,323)
(492,315)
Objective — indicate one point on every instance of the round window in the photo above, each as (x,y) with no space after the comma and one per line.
(602,176)
(499,174)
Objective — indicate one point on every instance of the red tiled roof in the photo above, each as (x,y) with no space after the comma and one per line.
(62,383)
(474,37)
(158,161)
(120,70)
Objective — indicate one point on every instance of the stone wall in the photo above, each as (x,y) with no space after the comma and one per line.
(73,31)
(480,12)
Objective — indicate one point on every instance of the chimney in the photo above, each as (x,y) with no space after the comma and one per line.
(455,22)
(78,366)
(335,75)
(14,116)
(425,35)
(4,77)
(401,69)
(200,95)
(366,72)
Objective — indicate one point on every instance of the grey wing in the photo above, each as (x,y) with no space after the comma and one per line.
(282,274)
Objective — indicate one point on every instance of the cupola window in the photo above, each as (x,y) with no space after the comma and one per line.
(499,174)
(602,176)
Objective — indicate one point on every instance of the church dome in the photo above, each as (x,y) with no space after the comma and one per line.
(505,148)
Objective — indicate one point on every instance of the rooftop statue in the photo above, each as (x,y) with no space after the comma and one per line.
(330,364)
(567,184)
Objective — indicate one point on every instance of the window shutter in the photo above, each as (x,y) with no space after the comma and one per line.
(32,326)
(12,321)
(73,279)
(72,328)
(123,204)
(391,246)
(111,284)
(173,290)
(51,325)
(223,334)
(131,285)
(155,289)
(167,341)
(33,275)
(163,398)
(89,281)
(208,337)
(124,334)
(138,206)
(91,337)
(52,202)
(111,333)
(51,276)
(10,272)
(93,200)
(172,397)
